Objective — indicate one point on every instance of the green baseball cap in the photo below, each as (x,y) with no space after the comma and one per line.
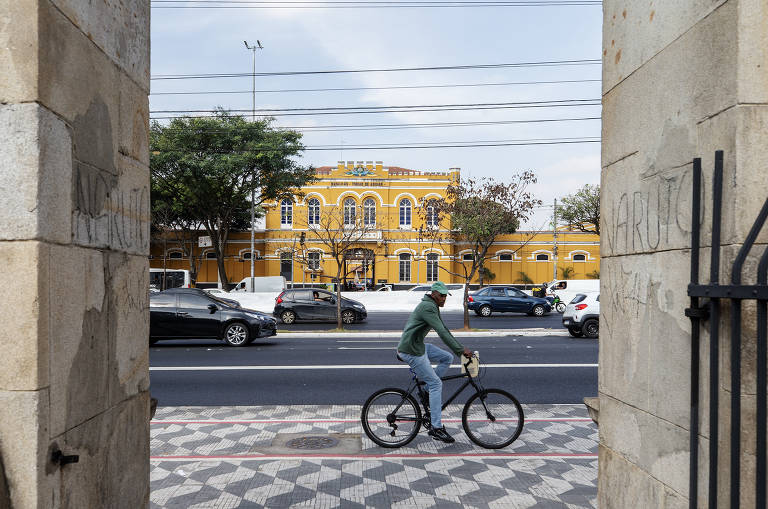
(440,287)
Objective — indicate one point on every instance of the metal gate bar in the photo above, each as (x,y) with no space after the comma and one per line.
(736,292)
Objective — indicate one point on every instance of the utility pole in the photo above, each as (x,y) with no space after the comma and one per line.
(554,243)
(253,190)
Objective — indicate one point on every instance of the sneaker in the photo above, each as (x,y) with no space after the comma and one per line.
(442,435)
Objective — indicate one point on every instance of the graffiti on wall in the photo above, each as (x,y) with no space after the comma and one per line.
(104,215)
(657,217)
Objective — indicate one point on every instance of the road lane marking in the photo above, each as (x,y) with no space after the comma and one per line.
(364,348)
(350,366)
(367,340)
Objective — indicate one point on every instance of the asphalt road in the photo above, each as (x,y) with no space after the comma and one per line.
(347,369)
(378,321)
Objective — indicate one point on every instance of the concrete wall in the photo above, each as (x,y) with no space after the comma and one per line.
(680,80)
(74,236)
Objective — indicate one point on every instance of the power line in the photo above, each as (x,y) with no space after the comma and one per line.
(449,144)
(392,107)
(396,69)
(384,127)
(360,4)
(392,111)
(396,87)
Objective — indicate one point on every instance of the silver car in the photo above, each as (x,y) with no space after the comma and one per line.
(582,315)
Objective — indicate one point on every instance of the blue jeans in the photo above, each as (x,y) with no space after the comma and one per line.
(422,366)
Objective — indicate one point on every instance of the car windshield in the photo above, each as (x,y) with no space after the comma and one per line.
(226,302)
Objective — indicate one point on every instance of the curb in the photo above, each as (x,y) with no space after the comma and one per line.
(463,334)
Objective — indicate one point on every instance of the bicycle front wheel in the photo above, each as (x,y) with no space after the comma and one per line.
(493,418)
(391,417)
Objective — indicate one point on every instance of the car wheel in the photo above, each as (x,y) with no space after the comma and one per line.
(591,328)
(560,307)
(538,310)
(348,316)
(288,317)
(236,334)
(485,310)
(575,332)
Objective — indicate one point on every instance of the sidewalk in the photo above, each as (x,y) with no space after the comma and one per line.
(227,457)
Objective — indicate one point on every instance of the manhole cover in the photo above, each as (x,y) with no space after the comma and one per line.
(312,443)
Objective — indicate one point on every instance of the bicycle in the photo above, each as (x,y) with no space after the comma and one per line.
(491,418)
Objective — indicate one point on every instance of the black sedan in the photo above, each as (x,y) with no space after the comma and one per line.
(312,304)
(190,313)
(506,299)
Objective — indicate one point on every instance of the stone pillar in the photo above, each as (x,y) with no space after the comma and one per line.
(74,239)
(680,80)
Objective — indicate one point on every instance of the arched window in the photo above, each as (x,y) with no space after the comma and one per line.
(286,212)
(210,255)
(174,255)
(369,212)
(432,267)
(314,211)
(245,255)
(505,257)
(432,218)
(349,211)
(542,257)
(405,266)
(579,258)
(405,212)
(467,257)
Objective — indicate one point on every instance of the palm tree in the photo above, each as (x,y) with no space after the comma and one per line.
(523,278)
(567,272)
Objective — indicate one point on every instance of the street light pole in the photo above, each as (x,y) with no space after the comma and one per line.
(253,189)
(554,243)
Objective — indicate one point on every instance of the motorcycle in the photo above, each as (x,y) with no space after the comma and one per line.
(558,304)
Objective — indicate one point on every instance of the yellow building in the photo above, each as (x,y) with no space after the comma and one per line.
(393,247)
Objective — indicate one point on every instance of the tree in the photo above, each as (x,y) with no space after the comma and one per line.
(581,210)
(524,278)
(339,232)
(595,274)
(213,164)
(170,219)
(567,272)
(478,212)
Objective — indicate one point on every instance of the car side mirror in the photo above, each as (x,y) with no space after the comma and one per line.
(333,300)
(212,308)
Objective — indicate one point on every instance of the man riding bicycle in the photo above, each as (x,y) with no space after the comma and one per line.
(420,356)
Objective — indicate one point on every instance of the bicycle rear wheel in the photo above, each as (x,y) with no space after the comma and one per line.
(391,417)
(492,419)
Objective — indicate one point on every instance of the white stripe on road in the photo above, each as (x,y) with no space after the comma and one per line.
(367,340)
(364,348)
(350,366)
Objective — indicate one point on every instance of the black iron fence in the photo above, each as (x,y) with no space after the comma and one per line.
(709,309)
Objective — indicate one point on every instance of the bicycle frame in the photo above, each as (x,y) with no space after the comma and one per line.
(417,384)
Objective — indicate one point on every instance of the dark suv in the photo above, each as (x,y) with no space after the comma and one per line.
(190,313)
(497,299)
(312,304)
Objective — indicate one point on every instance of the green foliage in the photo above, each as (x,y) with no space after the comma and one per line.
(486,275)
(566,272)
(207,168)
(581,210)
(595,274)
(524,278)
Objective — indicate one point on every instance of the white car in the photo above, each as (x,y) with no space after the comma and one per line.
(582,315)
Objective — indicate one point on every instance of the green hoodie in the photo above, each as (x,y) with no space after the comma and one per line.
(426,316)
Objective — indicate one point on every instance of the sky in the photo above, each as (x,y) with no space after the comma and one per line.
(310,37)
